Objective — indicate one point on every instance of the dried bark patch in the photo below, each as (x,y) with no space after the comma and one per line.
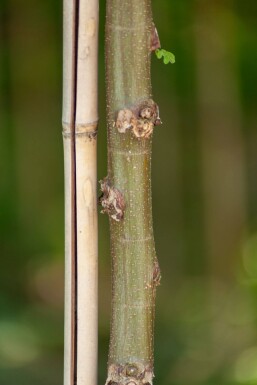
(112,200)
(140,119)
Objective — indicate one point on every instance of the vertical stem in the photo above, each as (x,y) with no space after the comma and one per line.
(135,271)
(80,118)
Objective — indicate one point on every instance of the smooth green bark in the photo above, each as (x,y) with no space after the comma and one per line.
(135,271)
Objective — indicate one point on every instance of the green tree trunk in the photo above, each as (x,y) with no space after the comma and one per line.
(127,199)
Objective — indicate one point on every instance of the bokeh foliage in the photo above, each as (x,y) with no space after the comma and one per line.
(204,194)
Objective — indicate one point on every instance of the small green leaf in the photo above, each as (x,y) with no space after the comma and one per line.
(158,53)
(168,57)
(171,58)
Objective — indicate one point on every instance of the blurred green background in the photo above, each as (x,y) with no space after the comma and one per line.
(204,194)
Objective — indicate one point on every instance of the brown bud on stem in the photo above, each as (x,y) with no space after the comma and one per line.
(155,41)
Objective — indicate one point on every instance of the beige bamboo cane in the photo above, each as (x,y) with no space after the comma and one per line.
(80,117)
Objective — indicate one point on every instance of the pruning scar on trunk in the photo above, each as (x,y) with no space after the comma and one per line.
(111,200)
(130,374)
(139,119)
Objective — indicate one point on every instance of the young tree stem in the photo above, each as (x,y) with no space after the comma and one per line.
(135,270)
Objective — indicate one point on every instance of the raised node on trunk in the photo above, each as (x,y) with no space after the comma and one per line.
(130,374)
(125,120)
(140,119)
(112,200)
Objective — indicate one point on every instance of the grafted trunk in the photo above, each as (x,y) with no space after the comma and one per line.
(127,198)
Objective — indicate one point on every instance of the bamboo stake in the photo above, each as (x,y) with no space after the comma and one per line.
(80,118)
(132,116)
